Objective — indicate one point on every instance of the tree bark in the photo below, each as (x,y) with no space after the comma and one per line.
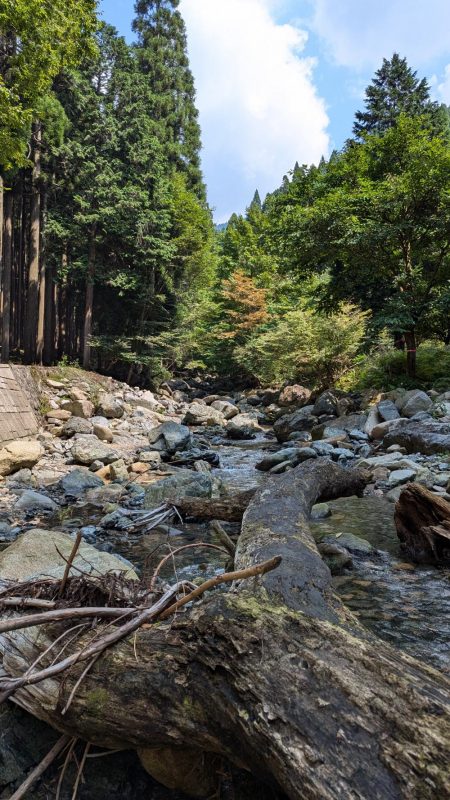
(422,521)
(275,675)
(411,353)
(89,300)
(43,309)
(7,270)
(230,509)
(31,320)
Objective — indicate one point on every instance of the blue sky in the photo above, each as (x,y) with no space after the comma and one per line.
(278,81)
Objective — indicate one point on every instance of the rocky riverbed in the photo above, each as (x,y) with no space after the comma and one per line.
(106,452)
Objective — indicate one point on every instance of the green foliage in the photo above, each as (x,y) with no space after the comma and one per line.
(37,39)
(303,346)
(385,368)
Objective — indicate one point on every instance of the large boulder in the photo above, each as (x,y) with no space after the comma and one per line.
(380,430)
(110,407)
(79,408)
(325,404)
(76,425)
(388,410)
(78,481)
(87,449)
(170,436)
(417,437)
(414,401)
(294,395)
(229,410)
(35,553)
(183,483)
(301,420)
(19,454)
(243,426)
(201,414)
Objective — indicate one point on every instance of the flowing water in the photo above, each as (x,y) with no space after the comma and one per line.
(406,604)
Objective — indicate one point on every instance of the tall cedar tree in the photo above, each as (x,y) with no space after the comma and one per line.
(394,90)
(163,59)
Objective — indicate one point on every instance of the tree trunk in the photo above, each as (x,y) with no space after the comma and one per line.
(89,301)
(423,525)
(230,509)
(411,351)
(43,293)
(7,269)
(275,676)
(2,222)
(31,320)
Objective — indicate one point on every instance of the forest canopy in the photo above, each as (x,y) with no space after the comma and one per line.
(109,253)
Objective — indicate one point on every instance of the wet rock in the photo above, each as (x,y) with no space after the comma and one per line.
(400,476)
(201,414)
(170,436)
(196,454)
(301,420)
(388,410)
(243,426)
(280,468)
(354,544)
(76,425)
(18,454)
(325,404)
(31,501)
(294,395)
(110,407)
(117,520)
(336,557)
(413,402)
(320,511)
(183,483)
(36,553)
(87,448)
(273,459)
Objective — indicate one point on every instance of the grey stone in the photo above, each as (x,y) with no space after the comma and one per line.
(170,436)
(110,407)
(400,476)
(35,501)
(414,401)
(320,511)
(416,437)
(325,404)
(18,454)
(243,426)
(35,553)
(294,395)
(183,483)
(336,557)
(76,425)
(301,420)
(103,433)
(322,448)
(78,481)
(227,409)
(118,471)
(354,544)
(388,410)
(87,448)
(272,459)
(79,408)
(201,414)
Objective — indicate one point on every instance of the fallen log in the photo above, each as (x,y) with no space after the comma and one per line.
(229,509)
(275,676)
(422,520)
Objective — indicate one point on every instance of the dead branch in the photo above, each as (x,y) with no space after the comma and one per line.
(173,553)
(70,561)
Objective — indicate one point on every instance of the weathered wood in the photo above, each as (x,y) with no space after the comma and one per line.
(229,509)
(422,520)
(275,675)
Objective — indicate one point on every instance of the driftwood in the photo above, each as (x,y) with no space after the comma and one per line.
(275,676)
(229,509)
(422,520)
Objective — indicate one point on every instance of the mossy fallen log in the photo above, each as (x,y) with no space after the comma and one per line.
(275,676)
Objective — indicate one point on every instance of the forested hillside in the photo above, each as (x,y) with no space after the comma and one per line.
(110,255)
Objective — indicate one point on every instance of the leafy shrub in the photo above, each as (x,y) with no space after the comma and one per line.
(386,369)
(307,347)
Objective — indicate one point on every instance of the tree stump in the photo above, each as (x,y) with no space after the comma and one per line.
(422,520)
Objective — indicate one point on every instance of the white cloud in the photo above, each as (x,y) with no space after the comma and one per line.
(259,108)
(442,90)
(359,34)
